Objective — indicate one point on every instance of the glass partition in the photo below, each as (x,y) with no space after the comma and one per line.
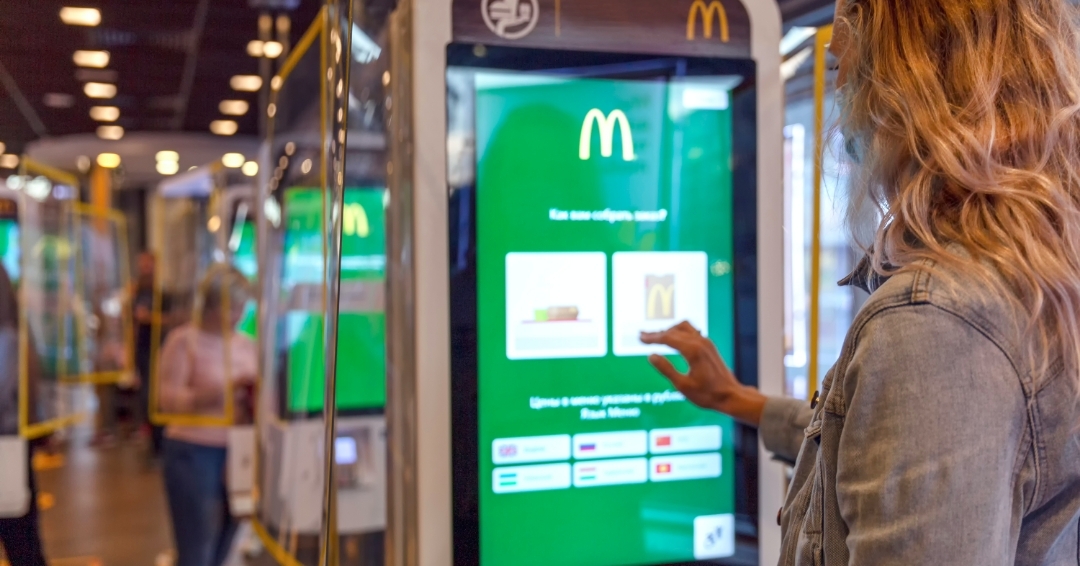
(818,252)
(321,238)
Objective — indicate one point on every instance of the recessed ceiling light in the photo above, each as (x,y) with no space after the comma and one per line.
(105,113)
(99,90)
(108,160)
(223,127)
(233,107)
(9,161)
(272,49)
(232,160)
(167,156)
(250,168)
(80,16)
(246,83)
(58,100)
(255,48)
(93,59)
(111,133)
(167,167)
(275,83)
(83,163)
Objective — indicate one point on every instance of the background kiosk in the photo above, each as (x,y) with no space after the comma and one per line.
(596,153)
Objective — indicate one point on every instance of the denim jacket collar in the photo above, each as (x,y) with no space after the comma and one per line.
(864,277)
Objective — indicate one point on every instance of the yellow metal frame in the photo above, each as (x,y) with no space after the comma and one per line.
(119,222)
(178,419)
(302,47)
(821,45)
(27,429)
(31,167)
(317,31)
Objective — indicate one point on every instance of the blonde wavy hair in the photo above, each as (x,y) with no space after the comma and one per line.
(964,121)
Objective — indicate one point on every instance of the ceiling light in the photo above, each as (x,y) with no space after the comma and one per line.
(290,148)
(94,59)
(223,127)
(9,161)
(233,107)
(99,90)
(232,160)
(246,83)
(58,100)
(305,167)
(167,156)
(167,167)
(108,160)
(80,16)
(275,83)
(111,133)
(105,113)
(83,163)
(272,49)
(214,223)
(250,168)
(255,48)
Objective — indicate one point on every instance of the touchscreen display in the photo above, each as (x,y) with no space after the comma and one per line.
(9,247)
(361,377)
(604,208)
(244,258)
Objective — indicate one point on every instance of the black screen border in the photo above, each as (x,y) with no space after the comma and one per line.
(463,280)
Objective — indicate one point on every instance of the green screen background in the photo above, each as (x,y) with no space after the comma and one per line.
(9,247)
(245,258)
(528,162)
(361,377)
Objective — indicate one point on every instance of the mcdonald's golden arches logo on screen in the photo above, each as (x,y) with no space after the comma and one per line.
(355,221)
(606,124)
(707,12)
(659,297)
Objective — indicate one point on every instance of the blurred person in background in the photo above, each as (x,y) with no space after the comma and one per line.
(143,310)
(20,537)
(194,380)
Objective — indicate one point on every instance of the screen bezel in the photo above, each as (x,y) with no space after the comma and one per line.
(281,370)
(464,367)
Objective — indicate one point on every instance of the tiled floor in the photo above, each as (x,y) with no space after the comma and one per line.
(107,507)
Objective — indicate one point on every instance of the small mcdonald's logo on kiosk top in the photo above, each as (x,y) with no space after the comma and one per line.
(707,12)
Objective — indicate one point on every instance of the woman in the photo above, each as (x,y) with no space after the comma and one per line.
(20,537)
(199,361)
(948,432)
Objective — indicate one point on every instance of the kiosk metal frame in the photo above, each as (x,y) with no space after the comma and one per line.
(420,530)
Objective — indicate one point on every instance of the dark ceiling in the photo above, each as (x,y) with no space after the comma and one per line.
(150,43)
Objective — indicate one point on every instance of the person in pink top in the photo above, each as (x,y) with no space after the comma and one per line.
(200,361)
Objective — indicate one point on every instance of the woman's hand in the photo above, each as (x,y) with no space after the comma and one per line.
(708,383)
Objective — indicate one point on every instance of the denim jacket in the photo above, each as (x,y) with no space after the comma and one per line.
(931,443)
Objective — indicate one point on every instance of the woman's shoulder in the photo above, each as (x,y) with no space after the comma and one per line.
(180,334)
(974,294)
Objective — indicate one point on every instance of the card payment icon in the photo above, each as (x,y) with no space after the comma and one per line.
(659,297)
